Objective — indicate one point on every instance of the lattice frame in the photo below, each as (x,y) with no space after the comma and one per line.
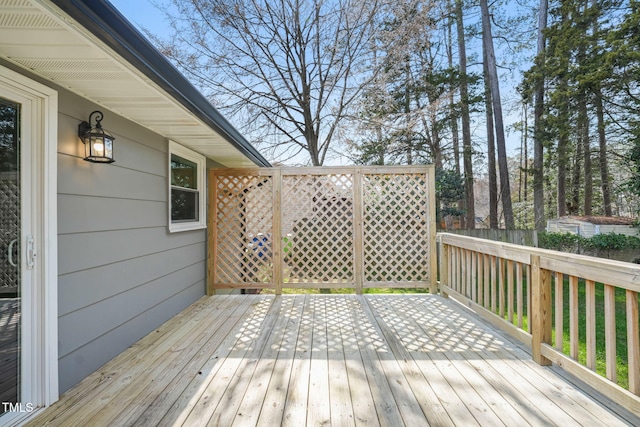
(349,227)
(320,244)
(395,229)
(244,229)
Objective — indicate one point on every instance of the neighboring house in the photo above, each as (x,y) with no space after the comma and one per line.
(589,226)
(95,256)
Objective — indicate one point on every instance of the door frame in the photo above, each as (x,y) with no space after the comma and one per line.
(38,172)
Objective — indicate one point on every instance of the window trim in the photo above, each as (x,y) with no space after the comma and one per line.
(200,161)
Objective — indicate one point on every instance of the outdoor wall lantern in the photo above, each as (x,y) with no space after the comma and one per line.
(98,144)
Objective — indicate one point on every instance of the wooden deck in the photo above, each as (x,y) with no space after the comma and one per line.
(9,349)
(335,360)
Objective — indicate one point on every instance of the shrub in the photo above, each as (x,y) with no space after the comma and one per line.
(568,242)
(565,242)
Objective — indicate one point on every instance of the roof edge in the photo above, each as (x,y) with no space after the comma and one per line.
(105,22)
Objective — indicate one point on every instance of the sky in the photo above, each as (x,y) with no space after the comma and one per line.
(141,13)
(145,15)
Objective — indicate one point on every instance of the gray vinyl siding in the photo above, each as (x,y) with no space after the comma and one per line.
(121,273)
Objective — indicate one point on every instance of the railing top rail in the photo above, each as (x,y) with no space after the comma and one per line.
(617,273)
(503,250)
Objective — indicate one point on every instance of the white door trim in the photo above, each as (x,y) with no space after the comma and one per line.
(39,128)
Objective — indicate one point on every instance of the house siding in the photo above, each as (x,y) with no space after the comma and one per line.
(121,273)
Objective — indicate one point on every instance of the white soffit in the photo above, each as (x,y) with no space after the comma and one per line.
(39,37)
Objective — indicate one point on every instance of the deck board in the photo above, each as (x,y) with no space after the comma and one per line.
(341,360)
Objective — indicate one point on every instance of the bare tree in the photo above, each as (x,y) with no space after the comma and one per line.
(287,69)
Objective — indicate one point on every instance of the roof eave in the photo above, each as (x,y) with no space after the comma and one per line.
(113,29)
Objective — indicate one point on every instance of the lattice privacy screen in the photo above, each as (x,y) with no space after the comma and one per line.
(244,225)
(322,227)
(322,233)
(395,228)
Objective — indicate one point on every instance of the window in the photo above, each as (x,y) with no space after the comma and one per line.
(186,189)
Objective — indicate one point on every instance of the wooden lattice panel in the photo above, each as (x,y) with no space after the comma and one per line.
(318,247)
(346,227)
(395,232)
(244,229)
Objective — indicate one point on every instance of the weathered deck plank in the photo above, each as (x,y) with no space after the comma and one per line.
(395,360)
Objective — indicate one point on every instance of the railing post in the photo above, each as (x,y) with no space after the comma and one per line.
(444,267)
(358,223)
(541,310)
(277,230)
(431,218)
(212,247)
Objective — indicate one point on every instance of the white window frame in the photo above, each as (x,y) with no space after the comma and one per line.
(200,161)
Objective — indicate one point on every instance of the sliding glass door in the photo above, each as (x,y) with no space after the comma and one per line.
(10,262)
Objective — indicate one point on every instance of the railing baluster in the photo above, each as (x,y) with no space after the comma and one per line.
(591,323)
(574,315)
(457,269)
(465,273)
(480,279)
(559,279)
(610,331)
(519,295)
(529,287)
(450,266)
(501,286)
(474,284)
(494,285)
(510,291)
(633,341)
(487,281)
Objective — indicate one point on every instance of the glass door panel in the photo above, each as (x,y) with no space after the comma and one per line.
(10,308)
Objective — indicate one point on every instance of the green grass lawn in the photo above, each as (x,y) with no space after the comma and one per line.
(621,330)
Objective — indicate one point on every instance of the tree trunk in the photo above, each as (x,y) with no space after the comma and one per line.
(454,116)
(538,129)
(526,162)
(563,142)
(586,149)
(491,149)
(470,213)
(604,164)
(505,187)
(563,127)
(602,138)
(574,206)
